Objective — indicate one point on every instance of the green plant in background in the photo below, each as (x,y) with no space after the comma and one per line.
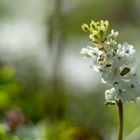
(116,65)
(9,87)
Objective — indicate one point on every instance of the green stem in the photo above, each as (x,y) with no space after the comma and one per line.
(120,111)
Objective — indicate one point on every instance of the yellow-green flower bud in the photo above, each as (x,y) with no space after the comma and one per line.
(97,30)
(93,25)
(86,28)
(106,23)
(101,34)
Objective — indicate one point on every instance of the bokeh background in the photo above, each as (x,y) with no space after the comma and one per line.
(47,90)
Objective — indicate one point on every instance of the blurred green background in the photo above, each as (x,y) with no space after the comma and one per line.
(47,90)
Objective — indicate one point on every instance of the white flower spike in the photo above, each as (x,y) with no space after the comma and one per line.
(114,62)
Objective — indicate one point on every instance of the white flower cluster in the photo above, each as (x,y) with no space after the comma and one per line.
(116,65)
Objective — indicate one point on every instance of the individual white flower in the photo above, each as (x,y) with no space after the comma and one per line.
(131,92)
(132,82)
(111,38)
(89,52)
(127,89)
(86,52)
(113,34)
(125,50)
(109,77)
(110,95)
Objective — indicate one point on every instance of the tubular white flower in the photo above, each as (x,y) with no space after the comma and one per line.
(110,95)
(86,52)
(89,52)
(125,50)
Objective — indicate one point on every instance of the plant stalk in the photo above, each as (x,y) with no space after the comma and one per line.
(120,111)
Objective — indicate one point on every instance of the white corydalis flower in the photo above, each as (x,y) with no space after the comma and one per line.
(111,95)
(114,62)
(111,38)
(89,52)
(125,50)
